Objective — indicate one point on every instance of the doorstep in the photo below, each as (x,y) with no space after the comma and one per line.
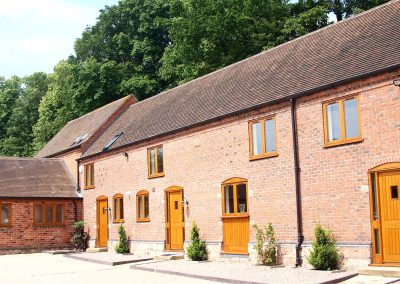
(386,271)
(107,258)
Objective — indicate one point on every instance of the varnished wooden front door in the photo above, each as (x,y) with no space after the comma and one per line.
(235,216)
(389,187)
(102,222)
(175,220)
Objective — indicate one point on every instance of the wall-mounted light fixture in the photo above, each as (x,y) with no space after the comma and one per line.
(396,82)
(125,154)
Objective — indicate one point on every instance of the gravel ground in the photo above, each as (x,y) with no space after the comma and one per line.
(246,271)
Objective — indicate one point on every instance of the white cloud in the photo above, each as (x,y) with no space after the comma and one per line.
(35,35)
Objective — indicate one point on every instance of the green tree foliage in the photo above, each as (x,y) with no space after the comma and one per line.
(24,114)
(197,249)
(265,244)
(324,254)
(122,246)
(80,238)
(346,8)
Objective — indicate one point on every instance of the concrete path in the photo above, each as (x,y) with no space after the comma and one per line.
(108,258)
(370,279)
(56,269)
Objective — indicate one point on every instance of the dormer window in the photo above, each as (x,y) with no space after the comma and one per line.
(115,138)
(79,140)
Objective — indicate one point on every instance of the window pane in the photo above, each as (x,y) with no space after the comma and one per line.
(256,138)
(121,208)
(146,206)
(92,175)
(49,214)
(115,209)
(140,206)
(228,195)
(160,165)
(351,118)
(5,214)
(270,135)
(86,175)
(374,197)
(152,161)
(59,214)
(333,121)
(38,214)
(241,198)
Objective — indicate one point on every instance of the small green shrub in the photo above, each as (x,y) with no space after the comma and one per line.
(80,237)
(265,245)
(122,246)
(324,254)
(197,249)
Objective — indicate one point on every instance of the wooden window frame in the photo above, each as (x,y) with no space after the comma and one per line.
(89,176)
(343,139)
(117,198)
(234,182)
(142,193)
(9,205)
(264,153)
(44,205)
(156,174)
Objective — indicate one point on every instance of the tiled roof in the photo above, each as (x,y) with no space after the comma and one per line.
(34,177)
(353,48)
(83,127)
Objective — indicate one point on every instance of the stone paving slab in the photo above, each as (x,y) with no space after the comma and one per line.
(107,258)
(243,273)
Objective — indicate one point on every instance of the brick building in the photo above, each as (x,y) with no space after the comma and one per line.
(305,132)
(36,214)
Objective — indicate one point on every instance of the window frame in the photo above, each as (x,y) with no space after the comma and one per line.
(235,182)
(264,153)
(117,198)
(44,205)
(9,205)
(156,174)
(91,176)
(342,122)
(142,193)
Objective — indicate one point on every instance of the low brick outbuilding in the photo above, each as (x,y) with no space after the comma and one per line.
(38,205)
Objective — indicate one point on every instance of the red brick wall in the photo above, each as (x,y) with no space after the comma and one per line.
(22,235)
(334,181)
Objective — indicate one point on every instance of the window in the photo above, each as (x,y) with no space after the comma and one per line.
(89,176)
(155,161)
(263,138)
(115,138)
(48,214)
(342,121)
(142,205)
(118,208)
(5,214)
(234,197)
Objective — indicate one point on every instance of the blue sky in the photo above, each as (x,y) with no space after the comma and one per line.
(36,34)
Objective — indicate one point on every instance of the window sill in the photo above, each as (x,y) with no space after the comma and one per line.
(48,225)
(244,215)
(143,220)
(88,187)
(344,142)
(264,156)
(117,221)
(5,225)
(156,176)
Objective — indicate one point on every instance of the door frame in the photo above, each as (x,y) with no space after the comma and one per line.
(375,207)
(172,189)
(98,199)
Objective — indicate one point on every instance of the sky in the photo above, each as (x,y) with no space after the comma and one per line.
(36,34)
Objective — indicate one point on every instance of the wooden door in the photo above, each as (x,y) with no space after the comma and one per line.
(389,186)
(175,222)
(235,216)
(102,222)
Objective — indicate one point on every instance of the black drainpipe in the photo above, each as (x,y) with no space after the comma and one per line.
(300,237)
(78,186)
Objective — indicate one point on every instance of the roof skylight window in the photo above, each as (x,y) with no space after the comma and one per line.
(115,138)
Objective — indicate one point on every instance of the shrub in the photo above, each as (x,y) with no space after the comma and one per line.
(265,245)
(197,249)
(324,254)
(122,246)
(80,237)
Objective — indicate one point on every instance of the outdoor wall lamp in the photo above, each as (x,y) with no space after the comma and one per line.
(396,82)
(185,201)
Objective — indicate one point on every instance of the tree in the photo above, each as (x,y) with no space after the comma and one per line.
(324,254)
(346,8)
(19,128)
(122,246)
(265,244)
(197,249)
